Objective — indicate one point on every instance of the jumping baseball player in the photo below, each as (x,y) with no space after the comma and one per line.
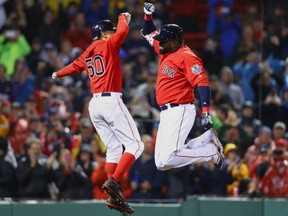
(108,113)
(180,72)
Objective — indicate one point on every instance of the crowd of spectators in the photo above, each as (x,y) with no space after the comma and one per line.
(49,148)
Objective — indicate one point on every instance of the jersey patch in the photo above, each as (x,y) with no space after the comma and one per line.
(196,69)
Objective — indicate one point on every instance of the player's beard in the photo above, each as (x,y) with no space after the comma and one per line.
(167,47)
(163,48)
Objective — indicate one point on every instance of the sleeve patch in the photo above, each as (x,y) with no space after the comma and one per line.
(196,69)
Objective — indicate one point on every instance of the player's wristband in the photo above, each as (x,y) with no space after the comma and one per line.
(205,109)
(148,17)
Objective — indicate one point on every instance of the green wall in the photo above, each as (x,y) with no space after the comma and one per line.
(200,206)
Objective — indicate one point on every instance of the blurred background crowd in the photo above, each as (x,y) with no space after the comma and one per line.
(48,146)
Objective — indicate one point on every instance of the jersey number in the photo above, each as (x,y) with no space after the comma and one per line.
(95,66)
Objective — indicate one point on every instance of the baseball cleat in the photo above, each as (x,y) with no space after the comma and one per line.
(123,208)
(113,189)
(216,142)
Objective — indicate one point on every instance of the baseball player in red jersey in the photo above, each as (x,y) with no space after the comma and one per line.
(180,71)
(109,115)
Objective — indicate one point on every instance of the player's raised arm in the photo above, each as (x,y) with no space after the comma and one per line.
(149,30)
(122,29)
(148,24)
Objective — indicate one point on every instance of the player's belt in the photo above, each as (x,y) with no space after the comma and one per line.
(106,94)
(165,107)
(171,105)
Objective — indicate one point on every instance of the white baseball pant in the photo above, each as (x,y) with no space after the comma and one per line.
(115,126)
(171,150)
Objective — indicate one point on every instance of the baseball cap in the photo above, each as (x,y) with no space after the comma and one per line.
(281,143)
(229,147)
(247,104)
(280,125)
(85,122)
(85,147)
(265,129)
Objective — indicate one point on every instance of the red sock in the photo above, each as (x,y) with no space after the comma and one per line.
(124,164)
(110,168)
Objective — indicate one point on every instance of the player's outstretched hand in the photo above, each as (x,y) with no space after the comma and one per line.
(149,8)
(54,75)
(206,121)
(128,17)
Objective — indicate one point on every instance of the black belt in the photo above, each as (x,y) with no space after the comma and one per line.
(105,94)
(165,107)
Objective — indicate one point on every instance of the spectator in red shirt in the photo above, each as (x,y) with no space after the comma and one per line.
(275,181)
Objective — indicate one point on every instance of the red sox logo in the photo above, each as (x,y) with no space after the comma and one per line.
(168,71)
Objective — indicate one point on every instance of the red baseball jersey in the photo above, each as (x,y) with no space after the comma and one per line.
(179,72)
(101,61)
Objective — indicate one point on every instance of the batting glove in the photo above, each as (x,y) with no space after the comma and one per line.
(54,75)
(149,8)
(128,17)
(206,121)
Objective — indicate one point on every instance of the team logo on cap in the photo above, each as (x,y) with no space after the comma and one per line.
(196,69)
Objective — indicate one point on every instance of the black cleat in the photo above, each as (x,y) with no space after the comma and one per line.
(123,207)
(113,189)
